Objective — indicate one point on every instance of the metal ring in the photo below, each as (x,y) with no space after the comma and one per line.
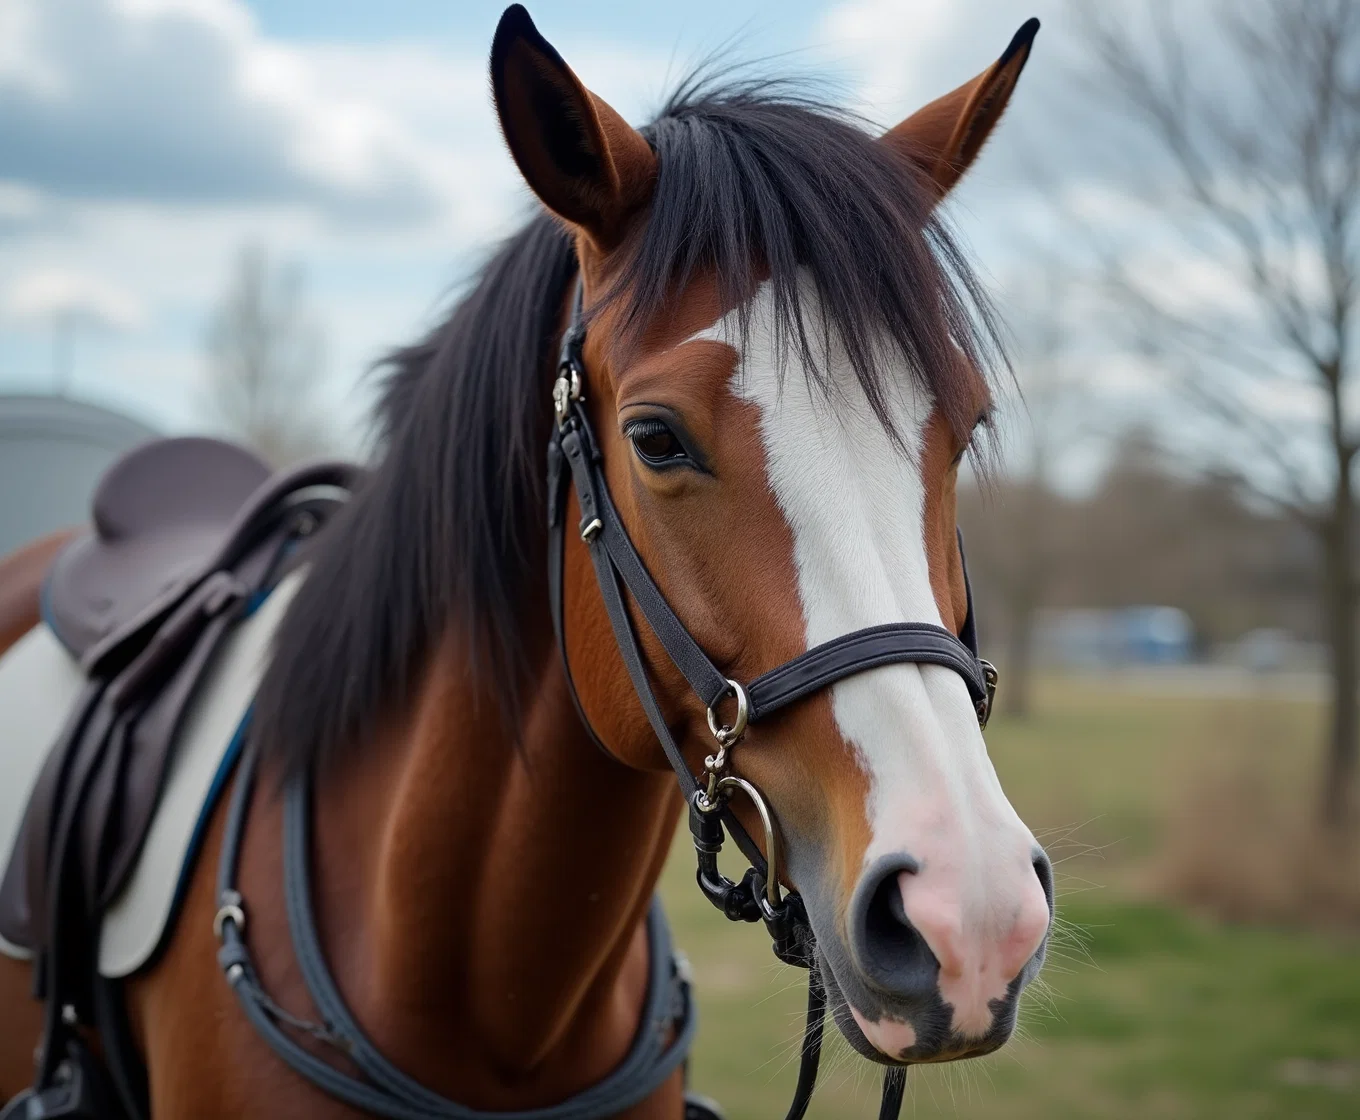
(772,892)
(229,913)
(726,736)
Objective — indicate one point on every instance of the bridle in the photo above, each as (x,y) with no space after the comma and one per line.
(667,1028)
(575,459)
(662,1041)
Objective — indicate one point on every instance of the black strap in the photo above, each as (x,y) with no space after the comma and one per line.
(601,527)
(893,642)
(894,1086)
(613,556)
(811,1051)
(592,494)
(385,1090)
(968,635)
(574,458)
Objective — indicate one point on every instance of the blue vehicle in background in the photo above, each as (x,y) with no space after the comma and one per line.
(1155,636)
(1117,638)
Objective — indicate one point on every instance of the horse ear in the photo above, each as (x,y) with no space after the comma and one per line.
(583,160)
(945,137)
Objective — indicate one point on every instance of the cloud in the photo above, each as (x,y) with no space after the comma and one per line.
(891,47)
(57,294)
(905,55)
(184,101)
(142,142)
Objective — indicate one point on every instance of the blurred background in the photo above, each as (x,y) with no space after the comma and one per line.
(216,214)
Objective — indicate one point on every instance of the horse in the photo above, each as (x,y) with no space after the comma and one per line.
(785,358)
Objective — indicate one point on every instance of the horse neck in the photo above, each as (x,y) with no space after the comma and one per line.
(501,954)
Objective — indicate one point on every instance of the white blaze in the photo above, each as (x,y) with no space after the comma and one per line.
(855,505)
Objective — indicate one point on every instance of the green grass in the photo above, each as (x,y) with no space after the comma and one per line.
(1146,1012)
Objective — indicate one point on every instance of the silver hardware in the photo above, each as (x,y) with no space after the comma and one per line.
(990,679)
(69,1016)
(566,388)
(591,531)
(235,972)
(231,910)
(727,736)
(772,892)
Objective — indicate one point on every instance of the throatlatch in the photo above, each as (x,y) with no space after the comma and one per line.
(574,458)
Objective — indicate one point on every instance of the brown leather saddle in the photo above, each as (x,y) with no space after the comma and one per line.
(187,535)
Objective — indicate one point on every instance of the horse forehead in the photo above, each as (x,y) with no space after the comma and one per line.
(808,431)
(767,373)
(854,498)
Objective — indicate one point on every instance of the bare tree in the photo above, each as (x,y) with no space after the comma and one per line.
(1015,541)
(264,355)
(1253,126)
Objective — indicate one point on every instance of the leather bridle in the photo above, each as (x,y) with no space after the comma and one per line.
(667,1025)
(575,459)
(663,1039)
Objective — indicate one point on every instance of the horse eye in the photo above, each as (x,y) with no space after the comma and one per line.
(655,443)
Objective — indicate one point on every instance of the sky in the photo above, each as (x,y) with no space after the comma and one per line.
(145,143)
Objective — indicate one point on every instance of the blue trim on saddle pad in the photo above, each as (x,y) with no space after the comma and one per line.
(205,811)
(219,783)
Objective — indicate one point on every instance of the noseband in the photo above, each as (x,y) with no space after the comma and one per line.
(575,459)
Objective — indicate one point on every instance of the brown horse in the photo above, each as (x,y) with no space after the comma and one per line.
(786,359)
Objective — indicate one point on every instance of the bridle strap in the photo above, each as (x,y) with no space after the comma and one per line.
(613,556)
(891,643)
(815,669)
(598,510)
(574,459)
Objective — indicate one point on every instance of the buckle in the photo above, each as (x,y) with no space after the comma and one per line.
(990,679)
(232,910)
(566,390)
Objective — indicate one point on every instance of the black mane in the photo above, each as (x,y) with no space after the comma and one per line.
(755,182)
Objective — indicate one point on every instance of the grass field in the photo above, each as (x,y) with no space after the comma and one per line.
(1149,1011)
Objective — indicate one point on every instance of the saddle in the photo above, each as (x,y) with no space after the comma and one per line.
(188,536)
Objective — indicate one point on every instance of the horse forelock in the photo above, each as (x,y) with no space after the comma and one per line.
(756,186)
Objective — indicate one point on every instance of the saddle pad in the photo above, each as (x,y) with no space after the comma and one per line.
(39,682)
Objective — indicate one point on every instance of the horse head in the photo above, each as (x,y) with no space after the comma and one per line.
(786,364)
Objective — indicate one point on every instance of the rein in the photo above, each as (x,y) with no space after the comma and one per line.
(574,458)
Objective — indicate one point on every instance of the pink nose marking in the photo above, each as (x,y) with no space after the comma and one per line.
(979,957)
(888,1035)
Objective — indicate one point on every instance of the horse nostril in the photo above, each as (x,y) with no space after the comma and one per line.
(896,907)
(1043,868)
(890,951)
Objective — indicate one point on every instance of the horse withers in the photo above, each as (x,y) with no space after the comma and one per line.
(784,361)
